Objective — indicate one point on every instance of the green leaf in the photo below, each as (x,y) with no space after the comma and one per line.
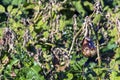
(46,34)
(2,9)
(102,3)
(6,2)
(12,62)
(33,73)
(97,18)
(62,24)
(106,8)
(33,34)
(58,36)
(112,46)
(14,11)
(117,55)
(30,6)
(18,13)
(79,7)
(17,2)
(5,59)
(115,68)
(70,76)
(31,28)
(40,23)
(9,8)
(36,67)
(1,68)
(90,5)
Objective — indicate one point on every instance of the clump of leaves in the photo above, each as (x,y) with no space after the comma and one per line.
(47,39)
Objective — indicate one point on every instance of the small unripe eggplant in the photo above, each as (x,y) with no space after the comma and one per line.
(88,47)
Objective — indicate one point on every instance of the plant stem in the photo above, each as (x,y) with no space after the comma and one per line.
(98,48)
(73,41)
(98,52)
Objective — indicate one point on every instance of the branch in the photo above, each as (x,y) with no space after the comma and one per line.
(74,38)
